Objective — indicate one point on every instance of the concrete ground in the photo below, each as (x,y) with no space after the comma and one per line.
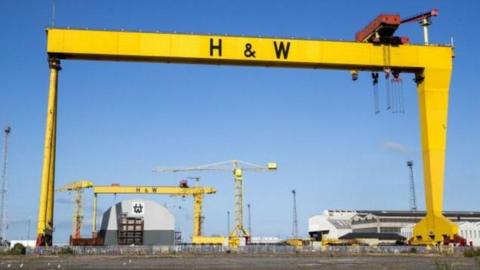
(241,262)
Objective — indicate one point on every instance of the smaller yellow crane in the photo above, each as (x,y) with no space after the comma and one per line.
(182,190)
(77,188)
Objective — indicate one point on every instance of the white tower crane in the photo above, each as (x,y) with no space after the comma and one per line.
(237,167)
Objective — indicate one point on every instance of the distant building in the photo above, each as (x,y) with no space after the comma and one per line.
(373,238)
(138,222)
(331,224)
(264,240)
(385,221)
(470,231)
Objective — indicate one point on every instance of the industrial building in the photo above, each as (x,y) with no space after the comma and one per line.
(333,224)
(137,222)
(371,238)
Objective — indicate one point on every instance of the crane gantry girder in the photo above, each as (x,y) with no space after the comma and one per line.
(432,66)
(166,190)
(84,44)
(77,185)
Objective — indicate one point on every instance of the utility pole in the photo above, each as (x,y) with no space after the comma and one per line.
(413,199)
(295,221)
(249,220)
(53,12)
(228,222)
(28,228)
(3,186)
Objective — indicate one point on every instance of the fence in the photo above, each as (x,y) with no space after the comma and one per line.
(186,250)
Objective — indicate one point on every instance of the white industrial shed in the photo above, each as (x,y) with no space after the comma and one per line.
(331,224)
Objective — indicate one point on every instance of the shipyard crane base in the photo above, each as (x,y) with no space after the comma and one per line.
(444,228)
(431,65)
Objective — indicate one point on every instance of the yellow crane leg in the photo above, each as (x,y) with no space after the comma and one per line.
(197,238)
(433,89)
(51,181)
(197,214)
(45,207)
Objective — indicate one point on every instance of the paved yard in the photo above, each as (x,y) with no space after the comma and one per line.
(241,262)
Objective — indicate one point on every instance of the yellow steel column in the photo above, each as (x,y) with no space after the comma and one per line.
(197,214)
(44,232)
(433,89)
(94,214)
(51,177)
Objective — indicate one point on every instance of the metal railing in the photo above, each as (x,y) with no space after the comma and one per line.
(246,250)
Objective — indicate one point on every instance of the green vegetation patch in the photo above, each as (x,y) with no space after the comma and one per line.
(471,252)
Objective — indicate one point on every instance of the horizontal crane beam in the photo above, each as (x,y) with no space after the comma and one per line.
(163,190)
(78,185)
(241,50)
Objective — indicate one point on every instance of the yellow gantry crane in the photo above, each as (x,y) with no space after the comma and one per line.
(237,167)
(196,192)
(431,65)
(77,188)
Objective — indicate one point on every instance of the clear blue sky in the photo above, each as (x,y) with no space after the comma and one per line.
(118,120)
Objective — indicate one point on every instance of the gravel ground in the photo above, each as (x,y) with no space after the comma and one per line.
(241,262)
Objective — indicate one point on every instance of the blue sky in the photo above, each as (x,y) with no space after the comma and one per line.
(119,120)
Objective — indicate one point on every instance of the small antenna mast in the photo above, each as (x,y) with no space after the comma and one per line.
(53,12)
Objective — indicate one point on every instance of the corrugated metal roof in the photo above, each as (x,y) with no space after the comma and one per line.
(341,224)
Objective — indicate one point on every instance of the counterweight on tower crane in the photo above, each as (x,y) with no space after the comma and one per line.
(239,235)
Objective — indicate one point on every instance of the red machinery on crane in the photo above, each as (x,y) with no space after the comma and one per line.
(381,30)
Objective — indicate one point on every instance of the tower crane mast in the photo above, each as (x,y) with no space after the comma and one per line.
(237,167)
